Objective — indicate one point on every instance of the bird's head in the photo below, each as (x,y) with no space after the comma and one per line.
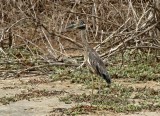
(77,25)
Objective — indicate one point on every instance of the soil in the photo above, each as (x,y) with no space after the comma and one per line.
(39,96)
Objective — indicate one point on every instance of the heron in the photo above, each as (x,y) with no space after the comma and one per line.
(91,57)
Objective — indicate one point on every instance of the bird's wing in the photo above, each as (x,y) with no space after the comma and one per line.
(96,62)
(98,66)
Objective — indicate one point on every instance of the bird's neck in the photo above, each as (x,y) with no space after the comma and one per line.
(84,40)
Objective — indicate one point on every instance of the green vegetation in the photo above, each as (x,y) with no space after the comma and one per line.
(120,99)
(139,72)
(80,109)
(133,72)
(34,41)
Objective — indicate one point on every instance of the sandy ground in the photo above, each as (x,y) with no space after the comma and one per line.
(44,105)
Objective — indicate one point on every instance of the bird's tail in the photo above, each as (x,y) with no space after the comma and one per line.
(107,78)
(104,74)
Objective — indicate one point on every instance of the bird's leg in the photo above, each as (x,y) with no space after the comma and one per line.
(99,86)
(92,90)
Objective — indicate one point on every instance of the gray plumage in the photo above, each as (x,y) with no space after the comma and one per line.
(98,66)
(92,58)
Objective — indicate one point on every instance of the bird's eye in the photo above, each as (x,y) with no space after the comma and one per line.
(81,22)
(81,25)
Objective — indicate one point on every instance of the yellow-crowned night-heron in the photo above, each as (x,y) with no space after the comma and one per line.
(92,58)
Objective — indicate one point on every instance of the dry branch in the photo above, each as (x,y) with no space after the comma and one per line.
(34,29)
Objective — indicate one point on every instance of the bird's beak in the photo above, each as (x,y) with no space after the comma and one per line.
(73,25)
(76,25)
